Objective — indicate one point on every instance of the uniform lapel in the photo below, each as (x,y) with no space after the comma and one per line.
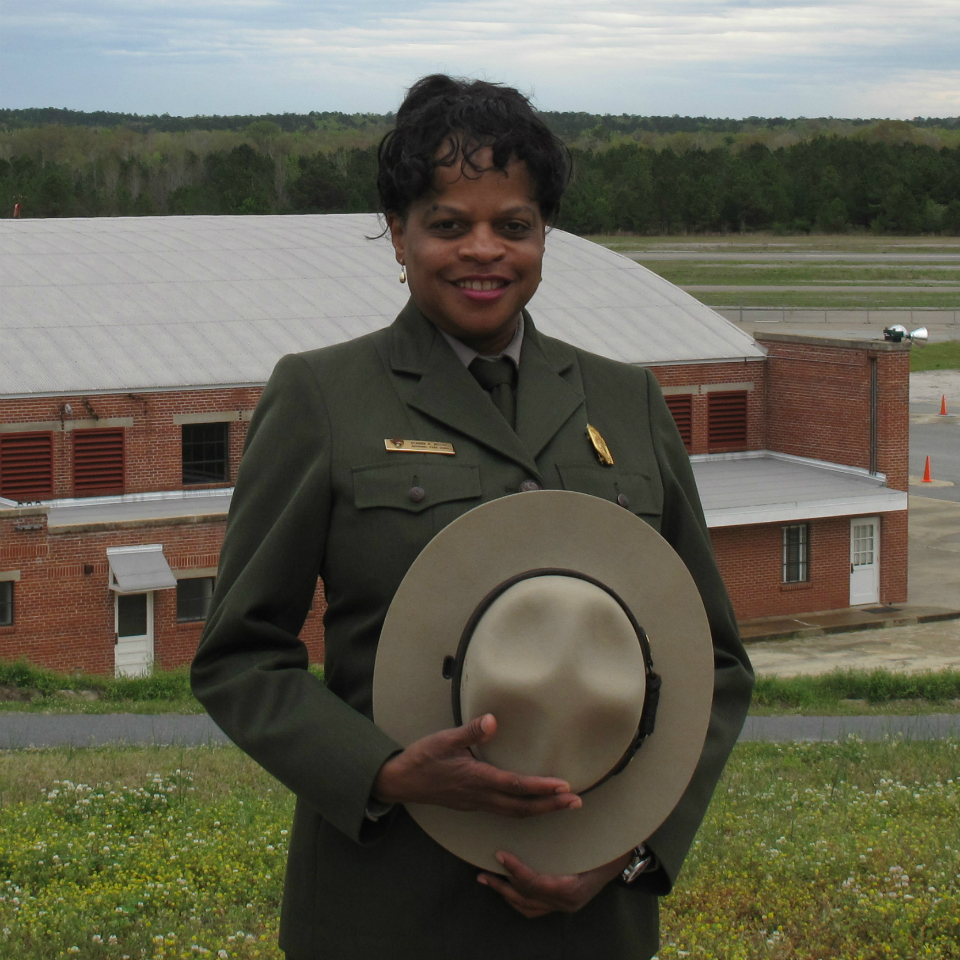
(445,390)
(545,400)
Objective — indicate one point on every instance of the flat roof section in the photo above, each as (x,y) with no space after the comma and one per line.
(134,509)
(766,487)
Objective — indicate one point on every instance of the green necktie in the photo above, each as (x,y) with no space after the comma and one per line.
(497,377)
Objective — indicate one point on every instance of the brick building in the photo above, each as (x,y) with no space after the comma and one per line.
(133,352)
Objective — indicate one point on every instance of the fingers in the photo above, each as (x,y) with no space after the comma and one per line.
(514,785)
(478,730)
(554,892)
(441,769)
(529,908)
(521,807)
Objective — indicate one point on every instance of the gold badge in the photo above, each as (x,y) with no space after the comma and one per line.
(419,446)
(600,446)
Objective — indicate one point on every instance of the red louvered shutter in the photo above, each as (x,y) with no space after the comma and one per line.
(26,466)
(726,420)
(681,406)
(97,462)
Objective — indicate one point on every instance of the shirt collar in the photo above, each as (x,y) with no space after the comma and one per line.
(467,354)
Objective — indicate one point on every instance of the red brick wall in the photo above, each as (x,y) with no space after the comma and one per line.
(698,375)
(64,616)
(152,444)
(818,404)
(807,399)
(750,560)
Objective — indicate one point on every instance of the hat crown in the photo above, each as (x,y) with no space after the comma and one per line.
(558,662)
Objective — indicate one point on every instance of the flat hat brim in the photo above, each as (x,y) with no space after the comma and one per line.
(465,562)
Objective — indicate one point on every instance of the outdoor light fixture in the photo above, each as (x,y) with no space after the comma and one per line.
(898,333)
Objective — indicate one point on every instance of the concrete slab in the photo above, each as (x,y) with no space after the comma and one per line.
(912,649)
(848,620)
(923,634)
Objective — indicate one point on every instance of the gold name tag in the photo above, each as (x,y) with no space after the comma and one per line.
(419,446)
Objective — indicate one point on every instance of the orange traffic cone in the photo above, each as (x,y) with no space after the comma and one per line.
(943,406)
(926,472)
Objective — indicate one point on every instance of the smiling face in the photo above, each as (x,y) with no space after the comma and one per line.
(473,251)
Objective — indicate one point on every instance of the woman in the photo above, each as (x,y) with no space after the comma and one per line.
(469,180)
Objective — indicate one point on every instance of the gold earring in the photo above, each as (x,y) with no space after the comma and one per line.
(403,273)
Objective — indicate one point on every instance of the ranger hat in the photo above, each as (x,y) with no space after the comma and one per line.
(580,629)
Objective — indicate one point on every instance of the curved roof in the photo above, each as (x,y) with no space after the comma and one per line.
(106,304)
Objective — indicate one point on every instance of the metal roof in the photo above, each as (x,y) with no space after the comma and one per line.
(105,304)
(139,568)
(766,487)
(132,508)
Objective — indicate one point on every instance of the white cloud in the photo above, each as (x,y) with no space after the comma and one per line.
(652,56)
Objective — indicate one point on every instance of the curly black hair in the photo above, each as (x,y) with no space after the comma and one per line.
(445,120)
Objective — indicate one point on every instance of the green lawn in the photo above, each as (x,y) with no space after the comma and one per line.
(832,300)
(848,850)
(684,272)
(772,243)
(842,692)
(936,356)
(745,273)
(165,691)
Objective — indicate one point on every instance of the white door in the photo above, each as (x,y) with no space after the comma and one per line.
(134,624)
(864,560)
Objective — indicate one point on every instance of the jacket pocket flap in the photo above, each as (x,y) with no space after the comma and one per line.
(644,496)
(415,485)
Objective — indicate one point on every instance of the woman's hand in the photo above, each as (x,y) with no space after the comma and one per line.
(440,769)
(537,894)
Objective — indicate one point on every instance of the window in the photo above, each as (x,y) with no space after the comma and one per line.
(6,603)
(193,598)
(97,462)
(205,456)
(681,406)
(796,553)
(863,544)
(726,420)
(132,616)
(26,466)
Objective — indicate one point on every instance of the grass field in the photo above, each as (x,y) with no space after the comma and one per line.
(842,692)
(743,274)
(815,274)
(847,850)
(772,243)
(831,300)
(936,356)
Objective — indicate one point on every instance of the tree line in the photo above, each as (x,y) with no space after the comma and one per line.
(567,124)
(885,176)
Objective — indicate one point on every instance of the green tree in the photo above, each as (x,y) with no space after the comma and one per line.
(832,217)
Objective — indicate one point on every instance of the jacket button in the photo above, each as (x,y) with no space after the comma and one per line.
(623,500)
(528,486)
(417,494)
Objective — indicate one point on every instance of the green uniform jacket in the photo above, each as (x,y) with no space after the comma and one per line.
(317,494)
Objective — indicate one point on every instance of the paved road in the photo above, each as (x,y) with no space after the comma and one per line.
(939,439)
(20,730)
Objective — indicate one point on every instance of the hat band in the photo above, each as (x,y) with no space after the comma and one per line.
(453,666)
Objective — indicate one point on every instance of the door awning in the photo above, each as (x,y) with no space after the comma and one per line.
(139,569)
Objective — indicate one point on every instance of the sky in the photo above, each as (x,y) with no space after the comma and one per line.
(716,58)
